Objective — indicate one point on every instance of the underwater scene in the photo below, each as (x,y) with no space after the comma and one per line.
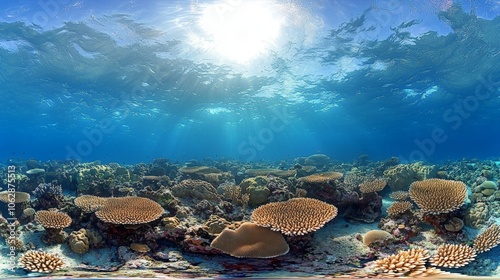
(249,139)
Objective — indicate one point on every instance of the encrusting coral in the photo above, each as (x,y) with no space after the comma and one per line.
(297,216)
(251,241)
(375,236)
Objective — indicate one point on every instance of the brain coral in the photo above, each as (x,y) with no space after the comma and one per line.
(78,241)
(297,216)
(129,210)
(436,196)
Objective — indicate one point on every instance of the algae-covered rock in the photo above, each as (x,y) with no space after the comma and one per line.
(257,189)
(195,189)
(477,215)
(273,172)
(401,176)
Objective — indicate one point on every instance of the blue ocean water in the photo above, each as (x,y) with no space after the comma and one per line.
(126,81)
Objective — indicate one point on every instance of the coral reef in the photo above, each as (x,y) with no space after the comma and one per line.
(37,261)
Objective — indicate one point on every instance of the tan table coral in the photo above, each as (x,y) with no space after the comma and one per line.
(297,216)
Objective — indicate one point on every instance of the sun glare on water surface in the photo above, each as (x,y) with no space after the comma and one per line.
(240,31)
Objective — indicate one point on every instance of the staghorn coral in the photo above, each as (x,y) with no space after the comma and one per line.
(375,236)
(376,185)
(405,263)
(251,241)
(297,216)
(453,255)
(321,178)
(38,261)
(129,211)
(89,203)
(398,207)
(487,239)
(437,196)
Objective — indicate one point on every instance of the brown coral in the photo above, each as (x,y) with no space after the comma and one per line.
(90,203)
(398,207)
(38,261)
(196,189)
(53,219)
(129,210)
(139,248)
(78,241)
(399,195)
(375,235)
(454,225)
(437,196)
(405,263)
(251,241)
(321,178)
(487,239)
(29,212)
(273,172)
(16,197)
(453,255)
(297,216)
(372,186)
(216,224)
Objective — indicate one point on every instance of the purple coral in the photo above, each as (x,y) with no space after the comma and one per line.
(47,190)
